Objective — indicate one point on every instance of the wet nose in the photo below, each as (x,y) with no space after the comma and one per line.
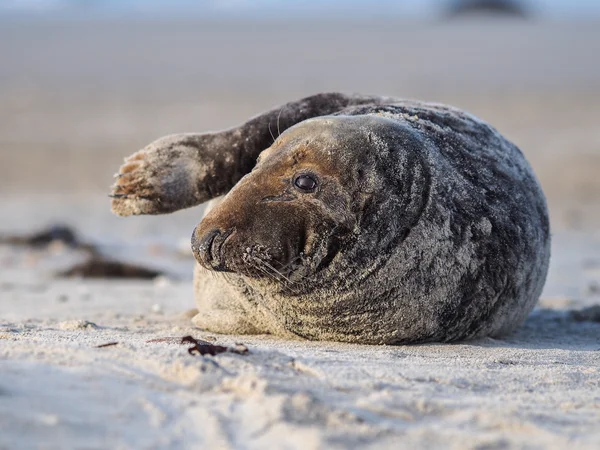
(207,248)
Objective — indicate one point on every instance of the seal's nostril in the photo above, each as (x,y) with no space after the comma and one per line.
(201,246)
(208,248)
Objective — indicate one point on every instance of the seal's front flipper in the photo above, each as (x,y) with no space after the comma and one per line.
(172,173)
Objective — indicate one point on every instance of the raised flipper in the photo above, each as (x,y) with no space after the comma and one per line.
(184,170)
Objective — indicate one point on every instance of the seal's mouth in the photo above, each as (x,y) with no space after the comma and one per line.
(209,249)
(290,262)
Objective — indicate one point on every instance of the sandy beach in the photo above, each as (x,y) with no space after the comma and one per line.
(76,98)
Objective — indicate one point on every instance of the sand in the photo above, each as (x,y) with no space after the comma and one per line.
(539,388)
(77,98)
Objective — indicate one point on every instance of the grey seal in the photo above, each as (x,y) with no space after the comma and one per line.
(366,219)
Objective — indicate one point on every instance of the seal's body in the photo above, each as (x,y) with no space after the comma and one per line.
(367,220)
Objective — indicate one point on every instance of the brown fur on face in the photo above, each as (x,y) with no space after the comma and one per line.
(268,227)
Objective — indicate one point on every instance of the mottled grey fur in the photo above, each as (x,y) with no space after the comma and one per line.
(430,226)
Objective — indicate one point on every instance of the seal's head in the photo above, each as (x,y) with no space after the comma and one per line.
(303,203)
(289,215)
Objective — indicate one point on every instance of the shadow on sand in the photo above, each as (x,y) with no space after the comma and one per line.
(554,329)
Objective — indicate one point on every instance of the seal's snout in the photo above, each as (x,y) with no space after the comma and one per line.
(208,248)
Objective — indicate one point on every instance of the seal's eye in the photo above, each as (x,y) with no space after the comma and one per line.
(305,182)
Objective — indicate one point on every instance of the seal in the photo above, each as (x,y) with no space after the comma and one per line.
(367,219)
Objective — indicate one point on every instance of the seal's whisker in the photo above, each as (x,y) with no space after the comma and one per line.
(267,273)
(290,263)
(276,271)
(278,116)
(286,283)
(294,286)
(218,275)
(275,274)
(264,270)
(221,275)
(270,132)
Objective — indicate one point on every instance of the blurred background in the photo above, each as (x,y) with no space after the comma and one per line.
(85,83)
